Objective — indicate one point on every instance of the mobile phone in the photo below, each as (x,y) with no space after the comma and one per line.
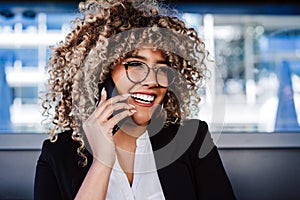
(111,91)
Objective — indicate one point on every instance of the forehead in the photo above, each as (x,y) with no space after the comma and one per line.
(147,54)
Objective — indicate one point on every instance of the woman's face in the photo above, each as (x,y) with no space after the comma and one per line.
(145,95)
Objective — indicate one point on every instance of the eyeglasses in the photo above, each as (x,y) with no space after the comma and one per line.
(138,71)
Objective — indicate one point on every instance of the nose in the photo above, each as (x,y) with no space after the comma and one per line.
(150,79)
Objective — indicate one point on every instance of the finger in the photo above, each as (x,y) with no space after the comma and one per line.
(117,98)
(114,107)
(102,100)
(103,96)
(118,117)
(110,102)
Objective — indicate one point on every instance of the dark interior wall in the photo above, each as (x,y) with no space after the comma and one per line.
(264,174)
(17,173)
(256,174)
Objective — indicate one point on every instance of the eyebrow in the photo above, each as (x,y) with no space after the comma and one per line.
(145,59)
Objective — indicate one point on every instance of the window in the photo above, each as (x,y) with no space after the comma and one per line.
(252,88)
(24,51)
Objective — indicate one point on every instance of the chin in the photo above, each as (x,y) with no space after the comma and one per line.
(143,115)
(140,119)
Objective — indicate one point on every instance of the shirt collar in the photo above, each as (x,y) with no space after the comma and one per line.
(142,140)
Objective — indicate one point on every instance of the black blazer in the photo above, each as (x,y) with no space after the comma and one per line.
(188,163)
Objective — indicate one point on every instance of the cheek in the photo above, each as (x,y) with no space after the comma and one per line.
(162,94)
(121,81)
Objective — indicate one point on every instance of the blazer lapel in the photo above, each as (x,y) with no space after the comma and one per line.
(173,166)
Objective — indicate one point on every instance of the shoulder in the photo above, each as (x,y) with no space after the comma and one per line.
(190,126)
(192,132)
(202,141)
(195,128)
(62,147)
(63,139)
(188,136)
(195,124)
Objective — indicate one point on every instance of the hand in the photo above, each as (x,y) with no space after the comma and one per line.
(98,127)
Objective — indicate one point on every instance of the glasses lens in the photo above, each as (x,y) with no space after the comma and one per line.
(165,76)
(137,71)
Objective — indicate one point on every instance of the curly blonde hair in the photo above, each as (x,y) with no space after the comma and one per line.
(107,32)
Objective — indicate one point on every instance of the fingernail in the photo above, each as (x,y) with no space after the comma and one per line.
(103,91)
(132,111)
(131,106)
(126,95)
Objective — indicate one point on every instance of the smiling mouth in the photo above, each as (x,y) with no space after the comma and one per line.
(143,98)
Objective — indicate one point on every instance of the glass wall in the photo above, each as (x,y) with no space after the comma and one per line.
(24,53)
(259,62)
(254,85)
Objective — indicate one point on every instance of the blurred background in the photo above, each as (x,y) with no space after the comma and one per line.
(256,48)
(252,96)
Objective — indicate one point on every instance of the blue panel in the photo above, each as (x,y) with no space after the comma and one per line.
(55,20)
(5,101)
(29,57)
(275,44)
(286,118)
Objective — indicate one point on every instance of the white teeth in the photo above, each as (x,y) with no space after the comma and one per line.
(142,101)
(143,97)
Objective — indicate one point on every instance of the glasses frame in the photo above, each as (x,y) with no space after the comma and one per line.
(126,64)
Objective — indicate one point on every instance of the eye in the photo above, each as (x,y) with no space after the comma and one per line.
(165,70)
(135,64)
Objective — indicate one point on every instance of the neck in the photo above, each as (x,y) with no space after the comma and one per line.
(127,135)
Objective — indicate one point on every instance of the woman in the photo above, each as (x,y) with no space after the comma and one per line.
(124,87)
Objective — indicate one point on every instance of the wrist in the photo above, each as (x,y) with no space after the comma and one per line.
(98,163)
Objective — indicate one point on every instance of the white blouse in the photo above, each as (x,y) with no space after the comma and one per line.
(145,185)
